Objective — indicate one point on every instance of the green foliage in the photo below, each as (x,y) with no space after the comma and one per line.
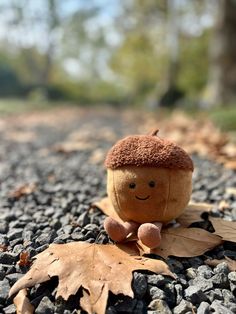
(224,118)
(84,93)
(9,82)
(140,64)
(194,63)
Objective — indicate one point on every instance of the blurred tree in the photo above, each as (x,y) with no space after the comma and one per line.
(164,51)
(145,51)
(24,23)
(83,41)
(221,89)
(9,81)
(140,61)
(52,23)
(172,92)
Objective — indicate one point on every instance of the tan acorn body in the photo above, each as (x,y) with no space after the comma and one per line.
(146,194)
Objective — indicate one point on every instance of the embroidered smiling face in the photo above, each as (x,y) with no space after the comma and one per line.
(146,194)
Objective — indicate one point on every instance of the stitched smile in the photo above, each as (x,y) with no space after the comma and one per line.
(142,199)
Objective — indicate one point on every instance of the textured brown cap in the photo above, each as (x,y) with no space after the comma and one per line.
(147,150)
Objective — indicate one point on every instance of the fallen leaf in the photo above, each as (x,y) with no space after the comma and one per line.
(22,303)
(231,191)
(225,229)
(3,247)
(97,156)
(176,241)
(97,301)
(186,242)
(97,268)
(193,213)
(70,147)
(229,149)
(23,190)
(24,259)
(204,138)
(106,207)
(214,262)
(231,164)
(223,205)
(21,136)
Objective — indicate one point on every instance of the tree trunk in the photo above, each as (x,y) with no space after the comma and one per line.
(222,75)
(53,22)
(172,93)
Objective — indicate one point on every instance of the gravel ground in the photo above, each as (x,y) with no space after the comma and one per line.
(56,211)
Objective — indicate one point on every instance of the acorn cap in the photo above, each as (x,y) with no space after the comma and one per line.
(147,151)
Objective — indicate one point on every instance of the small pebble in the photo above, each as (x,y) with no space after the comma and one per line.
(195,295)
(204,308)
(183,307)
(139,285)
(159,307)
(218,307)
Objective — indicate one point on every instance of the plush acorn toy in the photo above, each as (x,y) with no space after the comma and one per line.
(149,182)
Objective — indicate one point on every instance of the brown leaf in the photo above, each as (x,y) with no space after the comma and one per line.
(3,248)
(231,191)
(21,136)
(24,190)
(69,147)
(223,205)
(231,164)
(96,300)
(186,242)
(97,156)
(106,207)
(225,229)
(24,259)
(94,266)
(193,213)
(22,303)
(182,242)
(214,262)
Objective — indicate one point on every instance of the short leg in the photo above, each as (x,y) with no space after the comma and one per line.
(150,234)
(116,230)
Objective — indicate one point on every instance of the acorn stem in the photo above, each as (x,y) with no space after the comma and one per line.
(154,132)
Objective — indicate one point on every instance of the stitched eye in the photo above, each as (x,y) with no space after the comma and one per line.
(152,184)
(132,185)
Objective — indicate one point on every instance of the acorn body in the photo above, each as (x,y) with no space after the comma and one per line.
(147,194)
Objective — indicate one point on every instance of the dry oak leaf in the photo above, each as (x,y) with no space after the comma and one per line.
(225,229)
(24,259)
(3,248)
(193,213)
(96,268)
(25,189)
(214,262)
(231,191)
(70,147)
(21,136)
(107,208)
(185,242)
(22,303)
(180,241)
(231,164)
